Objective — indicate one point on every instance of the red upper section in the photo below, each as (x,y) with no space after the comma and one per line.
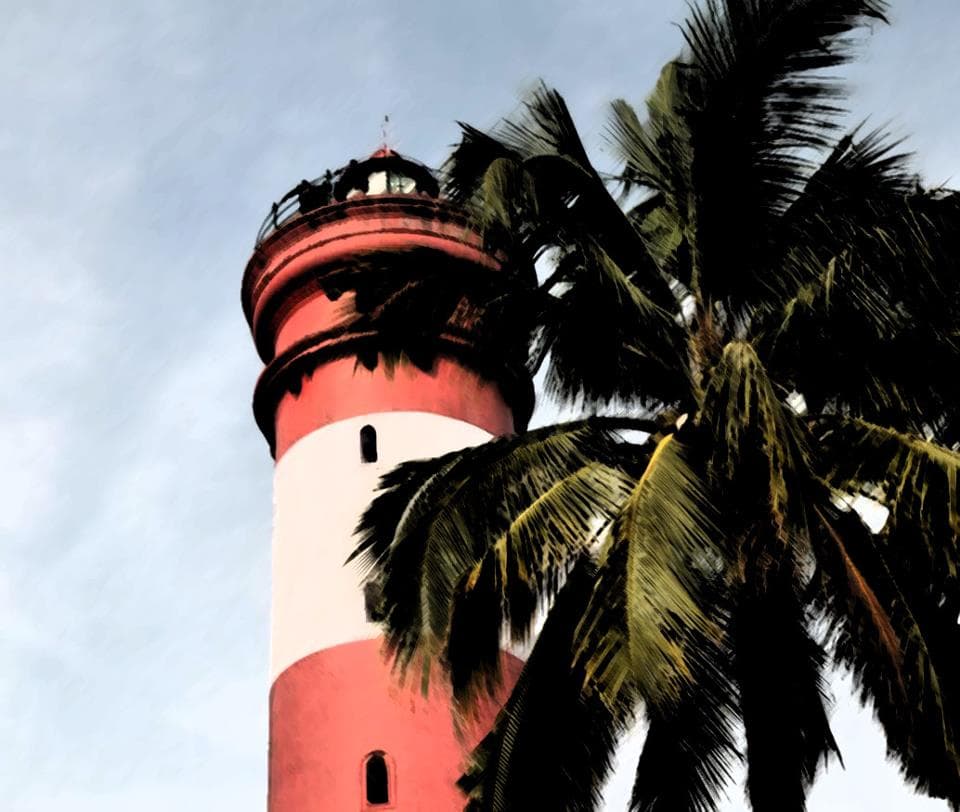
(292,265)
(298,299)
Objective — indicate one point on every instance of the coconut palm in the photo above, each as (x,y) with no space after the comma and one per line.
(759,315)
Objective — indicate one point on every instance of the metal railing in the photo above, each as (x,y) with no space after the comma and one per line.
(333,187)
(306,196)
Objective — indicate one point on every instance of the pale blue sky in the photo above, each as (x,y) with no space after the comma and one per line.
(140,147)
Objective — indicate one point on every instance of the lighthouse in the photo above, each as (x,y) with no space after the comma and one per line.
(337,414)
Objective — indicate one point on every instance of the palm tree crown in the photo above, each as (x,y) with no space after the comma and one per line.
(774,305)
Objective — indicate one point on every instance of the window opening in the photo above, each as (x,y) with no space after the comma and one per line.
(368,444)
(377,780)
(397,182)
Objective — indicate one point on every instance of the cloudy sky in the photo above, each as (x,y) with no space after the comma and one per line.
(140,146)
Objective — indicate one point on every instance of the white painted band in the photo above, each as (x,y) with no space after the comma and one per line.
(321,487)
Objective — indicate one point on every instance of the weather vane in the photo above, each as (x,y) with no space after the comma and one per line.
(384,132)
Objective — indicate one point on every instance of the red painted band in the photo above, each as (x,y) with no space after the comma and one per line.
(415,210)
(312,257)
(330,710)
(312,313)
(294,230)
(340,388)
(388,228)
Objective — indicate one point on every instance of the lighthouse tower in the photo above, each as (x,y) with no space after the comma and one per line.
(344,735)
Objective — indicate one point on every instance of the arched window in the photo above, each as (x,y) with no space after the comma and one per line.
(368,444)
(376,779)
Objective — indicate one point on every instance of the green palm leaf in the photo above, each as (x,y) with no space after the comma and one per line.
(734,275)
(564,201)
(763,93)
(759,452)
(568,751)
(859,335)
(635,353)
(522,570)
(916,480)
(690,747)
(646,611)
(460,507)
(779,669)
(900,643)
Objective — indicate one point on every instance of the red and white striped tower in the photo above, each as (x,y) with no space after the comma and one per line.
(343,734)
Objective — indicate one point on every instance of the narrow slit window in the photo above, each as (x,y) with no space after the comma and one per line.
(377,780)
(368,444)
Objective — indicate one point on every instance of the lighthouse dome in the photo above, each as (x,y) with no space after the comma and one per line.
(385,172)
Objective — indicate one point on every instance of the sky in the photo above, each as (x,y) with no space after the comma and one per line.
(140,147)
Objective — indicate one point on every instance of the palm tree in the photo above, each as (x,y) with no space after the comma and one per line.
(766,312)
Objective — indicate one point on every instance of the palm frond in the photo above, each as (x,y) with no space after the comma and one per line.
(550,727)
(763,82)
(532,186)
(912,477)
(759,454)
(837,538)
(859,174)
(646,613)
(533,189)
(666,239)
(912,566)
(783,697)
(470,160)
(538,154)
(915,698)
(732,126)
(407,303)
(844,304)
(656,153)
(546,128)
(848,193)
(397,489)
(457,509)
(634,353)
(520,572)
(862,335)
(690,749)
